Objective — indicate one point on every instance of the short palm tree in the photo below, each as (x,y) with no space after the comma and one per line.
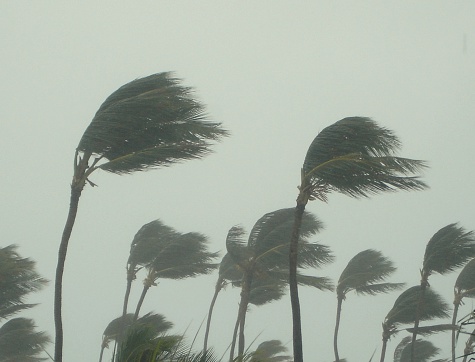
(177,256)
(265,256)
(448,249)
(117,329)
(424,351)
(356,157)
(20,342)
(464,288)
(147,123)
(364,274)
(405,309)
(229,272)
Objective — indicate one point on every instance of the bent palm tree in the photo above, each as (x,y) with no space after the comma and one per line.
(177,256)
(365,274)
(464,288)
(264,258)
(270,351)
(424,351)
(448,249)
(147,123)
(353,156)
(405,309)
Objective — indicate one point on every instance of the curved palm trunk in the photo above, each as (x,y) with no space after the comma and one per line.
(77,185)
(140,302)
(302,201)
(217,289)
(233,343)
(424,284)
(454,320)
(337,327)
(386,336)
(130,279)
(245,296)
(102,353)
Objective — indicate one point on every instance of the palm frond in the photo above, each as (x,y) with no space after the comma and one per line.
(423,351)
(405,307)
(229,270)
(270,351)
(355,156)
(149,122)
(428,330)
(449,249)
(365,272)
(465,283)
(236,246)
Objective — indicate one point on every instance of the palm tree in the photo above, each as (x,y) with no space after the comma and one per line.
(424,351)
(20,342)
(270,351)
(177,256)
(156,324)
(448,249)
(405,309)
(147,123)
(229,272)
(464,287)
(18,279)
(353,156)
(364,274)
(265,256)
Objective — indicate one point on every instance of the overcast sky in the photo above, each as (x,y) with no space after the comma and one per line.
(274,73)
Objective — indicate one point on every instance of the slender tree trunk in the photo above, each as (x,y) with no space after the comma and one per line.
(102,353)
(337,327)
(130,278)
(302,201)
(233,343)
(217,289)
(245,296)
(383,349)
(420,305)
(454,320)
(58,286)
(140,302)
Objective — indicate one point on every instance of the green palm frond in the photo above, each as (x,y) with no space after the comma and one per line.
(149,122)
(355,156)
(364,274)
(270,351)
(19,341)
(465,283)
(321,283)
(266,290)
(229,270)
(236,246)
(423,351)
(18,278)
(448,249)
(405,307)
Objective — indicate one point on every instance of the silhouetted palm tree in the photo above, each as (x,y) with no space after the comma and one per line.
(265,256)
(147,123)
(18,279)
(354,156)
(405,309)
(448,249)
(270,351)
(365,274)
(176,256)
(464,288)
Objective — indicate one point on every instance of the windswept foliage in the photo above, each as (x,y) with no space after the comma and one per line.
(147,123)
(424,351)
(355,157)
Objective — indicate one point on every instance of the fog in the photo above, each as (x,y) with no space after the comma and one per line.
(275,74)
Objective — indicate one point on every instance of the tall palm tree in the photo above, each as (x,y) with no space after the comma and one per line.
(229,272)
(147,123)
(177,256)
(265,255)
(405,309)
(18,278)
(356,157)
(364,274)
(424,350)
(448,249)
(464,288)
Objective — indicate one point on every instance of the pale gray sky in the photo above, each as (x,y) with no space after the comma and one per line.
(275,73)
